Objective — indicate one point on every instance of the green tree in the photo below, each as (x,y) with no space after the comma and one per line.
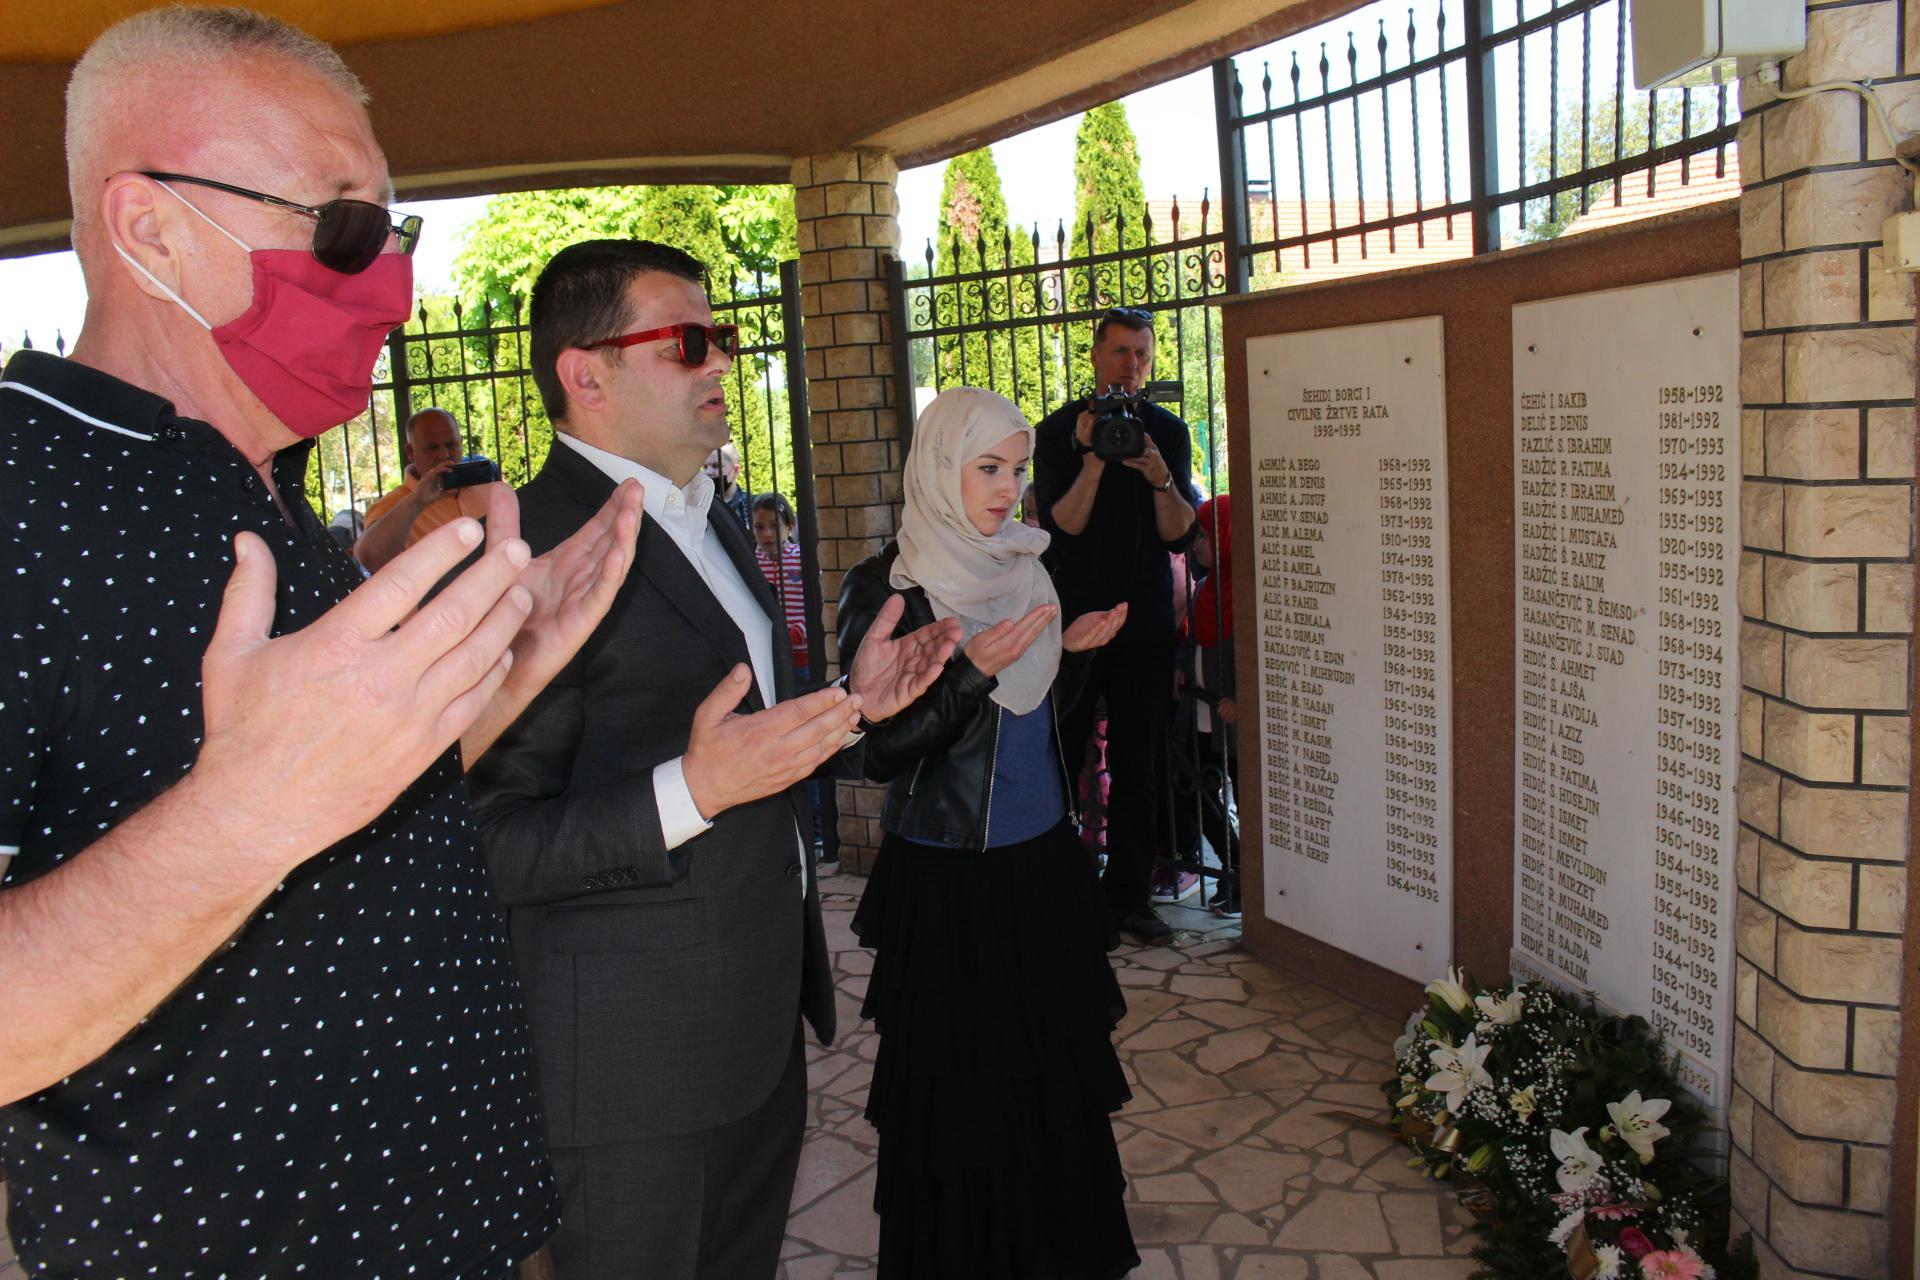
(1109,207)
(1107,188)
(974,238)
(741,233)
(735,230)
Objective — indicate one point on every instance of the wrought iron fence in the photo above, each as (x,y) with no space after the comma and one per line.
(1017,316)
(1476,124)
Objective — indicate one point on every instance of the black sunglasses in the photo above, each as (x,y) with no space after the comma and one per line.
(1132,317)
(692,340)
(347,234)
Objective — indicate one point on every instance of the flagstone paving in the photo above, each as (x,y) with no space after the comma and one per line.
(1237,1169)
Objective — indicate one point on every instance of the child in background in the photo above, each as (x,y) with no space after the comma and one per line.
(779,556)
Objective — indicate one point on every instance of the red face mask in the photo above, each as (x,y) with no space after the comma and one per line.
(307,343)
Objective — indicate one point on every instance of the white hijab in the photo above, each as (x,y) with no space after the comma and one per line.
(967,575)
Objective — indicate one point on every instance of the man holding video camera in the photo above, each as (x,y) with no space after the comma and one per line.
(436,488)
(1111,483)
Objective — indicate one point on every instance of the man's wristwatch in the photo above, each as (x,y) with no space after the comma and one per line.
(863,725)
(1167,487)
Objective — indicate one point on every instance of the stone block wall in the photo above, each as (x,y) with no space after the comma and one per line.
(846,208)
(1826,589)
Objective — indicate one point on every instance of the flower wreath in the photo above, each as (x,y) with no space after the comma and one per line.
(1566,1132)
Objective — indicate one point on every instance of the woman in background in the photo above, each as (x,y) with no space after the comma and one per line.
(996,1075)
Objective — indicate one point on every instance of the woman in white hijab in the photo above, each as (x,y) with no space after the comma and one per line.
(990,989)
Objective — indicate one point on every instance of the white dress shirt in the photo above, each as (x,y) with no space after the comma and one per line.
(681,510)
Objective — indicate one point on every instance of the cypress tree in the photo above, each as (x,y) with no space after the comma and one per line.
(1106,182)
(974,237)
(1110,201)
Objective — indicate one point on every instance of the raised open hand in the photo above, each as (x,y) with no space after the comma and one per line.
(735,759)
(570,590)
(327,724)
(1000,645)
(888,672)
(1091,630)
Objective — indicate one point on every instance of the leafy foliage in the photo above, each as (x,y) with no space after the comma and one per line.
(735,230)
(1107,188)
(974,237)
(1109,198)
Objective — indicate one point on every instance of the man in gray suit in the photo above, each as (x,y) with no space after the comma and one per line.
(645,833)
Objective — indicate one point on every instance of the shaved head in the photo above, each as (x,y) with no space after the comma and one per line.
(228,96)
(157,90)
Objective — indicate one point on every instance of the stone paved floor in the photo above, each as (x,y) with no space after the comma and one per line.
(1236,1172)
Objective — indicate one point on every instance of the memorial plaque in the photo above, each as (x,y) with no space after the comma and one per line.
(1348,445)
(1626,518)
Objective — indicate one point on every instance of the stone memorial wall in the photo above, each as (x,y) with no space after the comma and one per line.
(1626,519)
(1348,450)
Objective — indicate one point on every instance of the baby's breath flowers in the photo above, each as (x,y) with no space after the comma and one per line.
(1571,1123)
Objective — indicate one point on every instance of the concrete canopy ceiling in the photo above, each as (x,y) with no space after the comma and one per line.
(493,95)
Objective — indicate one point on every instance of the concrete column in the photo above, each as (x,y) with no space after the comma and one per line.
(1826,589)
(846,206)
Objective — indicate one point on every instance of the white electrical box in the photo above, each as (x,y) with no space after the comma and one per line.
(1699,42)
(1900,242)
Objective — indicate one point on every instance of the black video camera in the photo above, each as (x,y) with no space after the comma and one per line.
(1119,428)
(474,469)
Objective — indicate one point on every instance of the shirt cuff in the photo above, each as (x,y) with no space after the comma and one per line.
(680,819)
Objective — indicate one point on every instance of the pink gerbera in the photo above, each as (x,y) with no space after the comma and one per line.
(1614,1212)
(1673,1264)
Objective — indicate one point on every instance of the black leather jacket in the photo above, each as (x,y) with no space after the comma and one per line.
(937,756)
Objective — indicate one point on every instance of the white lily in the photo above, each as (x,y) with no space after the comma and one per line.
(1452,990)
(1637,1121)
(1579,1163)
(1499,1013)
(1408,1033)
(1523,1103)
(1459,1071)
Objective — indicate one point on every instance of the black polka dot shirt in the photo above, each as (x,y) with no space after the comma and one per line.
(346,1088)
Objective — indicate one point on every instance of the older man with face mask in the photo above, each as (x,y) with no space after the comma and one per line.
(257,1011)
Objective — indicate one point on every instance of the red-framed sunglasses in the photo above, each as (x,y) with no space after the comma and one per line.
(691,340)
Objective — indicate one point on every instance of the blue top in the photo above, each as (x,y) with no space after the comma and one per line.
(1028,798)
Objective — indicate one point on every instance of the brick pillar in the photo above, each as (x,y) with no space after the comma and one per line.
(1826,589)
(846,206)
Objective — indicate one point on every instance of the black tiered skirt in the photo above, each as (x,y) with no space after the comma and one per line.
(995,1005)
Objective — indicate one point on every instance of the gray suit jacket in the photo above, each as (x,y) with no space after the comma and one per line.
(662,986)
